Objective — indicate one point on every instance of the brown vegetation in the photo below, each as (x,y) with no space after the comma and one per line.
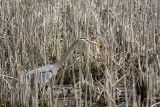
(123,71)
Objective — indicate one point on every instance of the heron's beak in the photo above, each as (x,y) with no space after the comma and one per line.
(94,43)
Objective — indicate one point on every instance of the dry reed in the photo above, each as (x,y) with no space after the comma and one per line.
(123,71)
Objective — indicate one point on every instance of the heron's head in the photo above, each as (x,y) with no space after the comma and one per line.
(88,41)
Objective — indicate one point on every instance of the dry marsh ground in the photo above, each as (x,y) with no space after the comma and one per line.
(123,71)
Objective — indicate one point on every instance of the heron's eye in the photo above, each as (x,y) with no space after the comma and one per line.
(50,71)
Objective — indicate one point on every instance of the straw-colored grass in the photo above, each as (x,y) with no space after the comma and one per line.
(123,71)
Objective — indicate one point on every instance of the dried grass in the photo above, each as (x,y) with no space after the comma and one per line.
(123,71)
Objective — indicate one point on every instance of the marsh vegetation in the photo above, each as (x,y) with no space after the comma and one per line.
(123,71)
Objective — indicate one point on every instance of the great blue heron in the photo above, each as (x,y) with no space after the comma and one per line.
(50,70)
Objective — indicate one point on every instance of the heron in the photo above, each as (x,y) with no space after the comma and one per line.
(50,70)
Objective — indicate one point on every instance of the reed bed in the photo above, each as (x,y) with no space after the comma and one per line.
(123,72)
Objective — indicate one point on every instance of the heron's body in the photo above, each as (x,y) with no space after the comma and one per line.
(46,72)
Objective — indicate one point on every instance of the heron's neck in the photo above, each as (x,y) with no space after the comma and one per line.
(60,62)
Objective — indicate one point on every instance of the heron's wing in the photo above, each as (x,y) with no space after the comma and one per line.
(44,73)
(42,78)
(41,69)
